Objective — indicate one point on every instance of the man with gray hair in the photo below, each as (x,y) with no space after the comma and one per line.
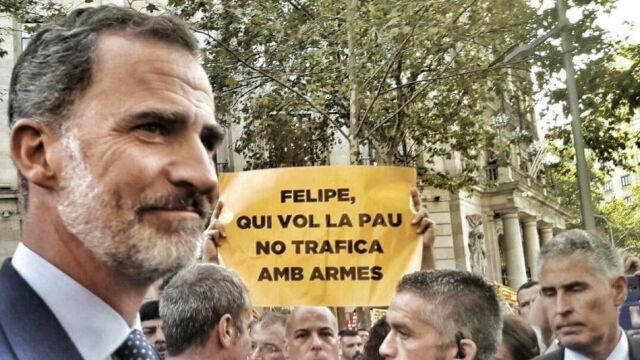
(113,134)
(443,315)
(267,337)
(582,288)
(206,314)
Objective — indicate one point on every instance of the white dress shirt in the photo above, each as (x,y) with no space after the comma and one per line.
(620,352)
(94,327)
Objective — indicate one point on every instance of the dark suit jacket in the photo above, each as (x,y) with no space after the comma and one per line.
(634,352)
(28,329)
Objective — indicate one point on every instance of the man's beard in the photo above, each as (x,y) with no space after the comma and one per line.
(112,228)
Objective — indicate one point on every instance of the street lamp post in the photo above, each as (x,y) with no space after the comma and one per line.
(584,189)
(582,171)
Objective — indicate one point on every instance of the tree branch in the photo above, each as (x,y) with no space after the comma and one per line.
(420,91)
(277,81)
(386,73)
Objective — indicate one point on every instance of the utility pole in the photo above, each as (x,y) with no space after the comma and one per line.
(584,188)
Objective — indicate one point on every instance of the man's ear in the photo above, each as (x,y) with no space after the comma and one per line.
(226,331)
(619,287)
(33,149)
(466,350)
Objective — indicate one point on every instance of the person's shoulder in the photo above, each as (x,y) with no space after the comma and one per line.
(634,348)
(554,355)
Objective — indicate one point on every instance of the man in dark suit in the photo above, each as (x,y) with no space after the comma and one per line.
(582,288)
(113,133)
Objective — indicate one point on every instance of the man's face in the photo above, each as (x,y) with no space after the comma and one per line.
(152,330)
(580,303)
(138,179)
(364,335)
(312,335)
(351,345)
(242,345)
(526,297)
(411,338)
(267,343)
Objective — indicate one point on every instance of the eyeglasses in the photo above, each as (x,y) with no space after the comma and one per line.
(265,348)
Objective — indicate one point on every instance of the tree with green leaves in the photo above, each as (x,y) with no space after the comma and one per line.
(403,82)
(407,81)
(624,217)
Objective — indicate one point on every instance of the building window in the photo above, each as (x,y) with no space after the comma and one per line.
(627,199)
(625,180)
(608,186)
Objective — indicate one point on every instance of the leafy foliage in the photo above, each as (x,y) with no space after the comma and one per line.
(624,217)
(410,78)
(561,175)
(413,80)
(608,80)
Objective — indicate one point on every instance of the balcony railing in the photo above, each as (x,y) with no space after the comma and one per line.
(503,174)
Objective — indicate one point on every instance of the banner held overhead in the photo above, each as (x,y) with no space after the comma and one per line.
(326,235)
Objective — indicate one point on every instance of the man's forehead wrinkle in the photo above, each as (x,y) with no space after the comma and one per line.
(109,65)
(172,73)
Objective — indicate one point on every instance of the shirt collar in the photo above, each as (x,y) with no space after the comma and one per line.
(620,352)
(94,327)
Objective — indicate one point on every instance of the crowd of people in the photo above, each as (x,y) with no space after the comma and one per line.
(571,313)
(113,132)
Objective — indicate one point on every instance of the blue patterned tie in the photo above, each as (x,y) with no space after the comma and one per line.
(135,347)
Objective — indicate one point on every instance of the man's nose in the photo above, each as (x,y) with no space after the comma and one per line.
(388,348)
(193,166)
(160,335)
(256,354)
(316,342)
(563,303)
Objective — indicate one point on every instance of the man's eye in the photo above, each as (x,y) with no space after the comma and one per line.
(577,288)
(403,334)
(548,293)
(153,128)
(208,144)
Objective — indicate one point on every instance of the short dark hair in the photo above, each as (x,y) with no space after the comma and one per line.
(194,302)
(150,310)
(57,65)
(527,285)
(379,332)
(519,338)
(456,297)
(347,333)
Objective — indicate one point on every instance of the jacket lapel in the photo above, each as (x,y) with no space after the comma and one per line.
(30,327)
(634,348)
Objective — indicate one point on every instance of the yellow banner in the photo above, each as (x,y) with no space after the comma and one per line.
(326,235)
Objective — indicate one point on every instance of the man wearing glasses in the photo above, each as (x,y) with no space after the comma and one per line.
(267,337)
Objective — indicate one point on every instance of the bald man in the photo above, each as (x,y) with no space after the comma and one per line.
(311,333)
